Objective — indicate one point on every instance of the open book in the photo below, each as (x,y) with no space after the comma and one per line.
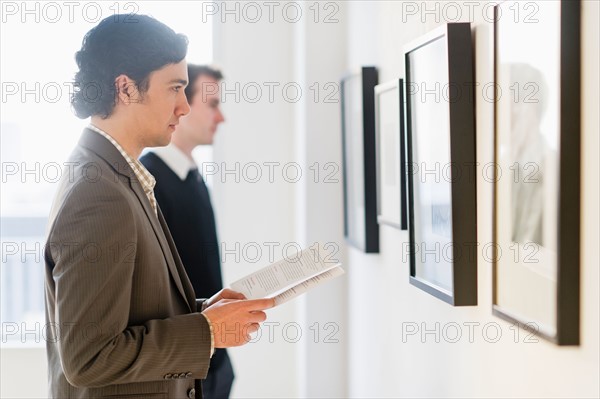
(288,278)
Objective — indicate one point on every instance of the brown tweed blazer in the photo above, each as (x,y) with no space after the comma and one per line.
(121,311)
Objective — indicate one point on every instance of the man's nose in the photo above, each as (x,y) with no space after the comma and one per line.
(183,108)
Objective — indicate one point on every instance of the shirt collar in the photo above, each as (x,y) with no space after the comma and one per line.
(175,159)
(146,179)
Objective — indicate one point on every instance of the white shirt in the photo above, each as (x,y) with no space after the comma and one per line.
(175,159)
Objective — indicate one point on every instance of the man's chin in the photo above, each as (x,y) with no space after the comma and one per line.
(209,139)
(164,140)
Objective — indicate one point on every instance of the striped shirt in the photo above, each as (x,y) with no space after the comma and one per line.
(144,177)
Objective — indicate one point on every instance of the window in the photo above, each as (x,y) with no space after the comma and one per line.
(39,130)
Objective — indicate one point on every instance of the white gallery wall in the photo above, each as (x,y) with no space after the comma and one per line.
(284,70)
(383,361)
(372,306)
(252,214)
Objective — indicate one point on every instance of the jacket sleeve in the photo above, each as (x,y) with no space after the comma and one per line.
(99,342)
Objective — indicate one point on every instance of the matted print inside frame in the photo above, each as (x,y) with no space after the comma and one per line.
(536,200)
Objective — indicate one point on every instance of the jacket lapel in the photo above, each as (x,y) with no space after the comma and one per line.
(107,151)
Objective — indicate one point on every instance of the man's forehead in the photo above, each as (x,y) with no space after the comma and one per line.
(206,83)
(173,73)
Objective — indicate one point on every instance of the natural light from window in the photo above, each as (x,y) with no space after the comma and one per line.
(39,130)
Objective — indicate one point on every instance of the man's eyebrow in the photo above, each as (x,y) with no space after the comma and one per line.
(180,81)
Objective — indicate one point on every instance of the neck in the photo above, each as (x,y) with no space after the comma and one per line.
(183,145)
(118,130)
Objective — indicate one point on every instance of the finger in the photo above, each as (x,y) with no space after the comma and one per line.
(258,316)
(260,304)
(223,301)
(235,294)
(231,294)
(251,328)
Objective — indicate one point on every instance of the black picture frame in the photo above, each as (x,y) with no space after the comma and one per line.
(358,158)
(539,290)
(441,136)
(392,191)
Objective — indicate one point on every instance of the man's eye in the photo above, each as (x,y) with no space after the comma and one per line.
(177,88)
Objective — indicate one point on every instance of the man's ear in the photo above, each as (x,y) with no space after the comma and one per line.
(127,90)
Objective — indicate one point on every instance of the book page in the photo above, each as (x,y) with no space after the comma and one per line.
(283,274)
(308,285)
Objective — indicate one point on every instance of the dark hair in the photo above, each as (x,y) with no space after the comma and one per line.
(194,72)
(121,45)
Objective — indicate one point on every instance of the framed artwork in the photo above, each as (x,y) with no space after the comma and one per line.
(537,159)
(441,158)
(359,163)
(391,155)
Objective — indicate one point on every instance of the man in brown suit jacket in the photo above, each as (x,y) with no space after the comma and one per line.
(122,315)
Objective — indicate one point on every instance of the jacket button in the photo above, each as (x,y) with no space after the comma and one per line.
(192,393)
(168,376)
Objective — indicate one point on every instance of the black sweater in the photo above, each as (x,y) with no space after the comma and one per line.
(188,211)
